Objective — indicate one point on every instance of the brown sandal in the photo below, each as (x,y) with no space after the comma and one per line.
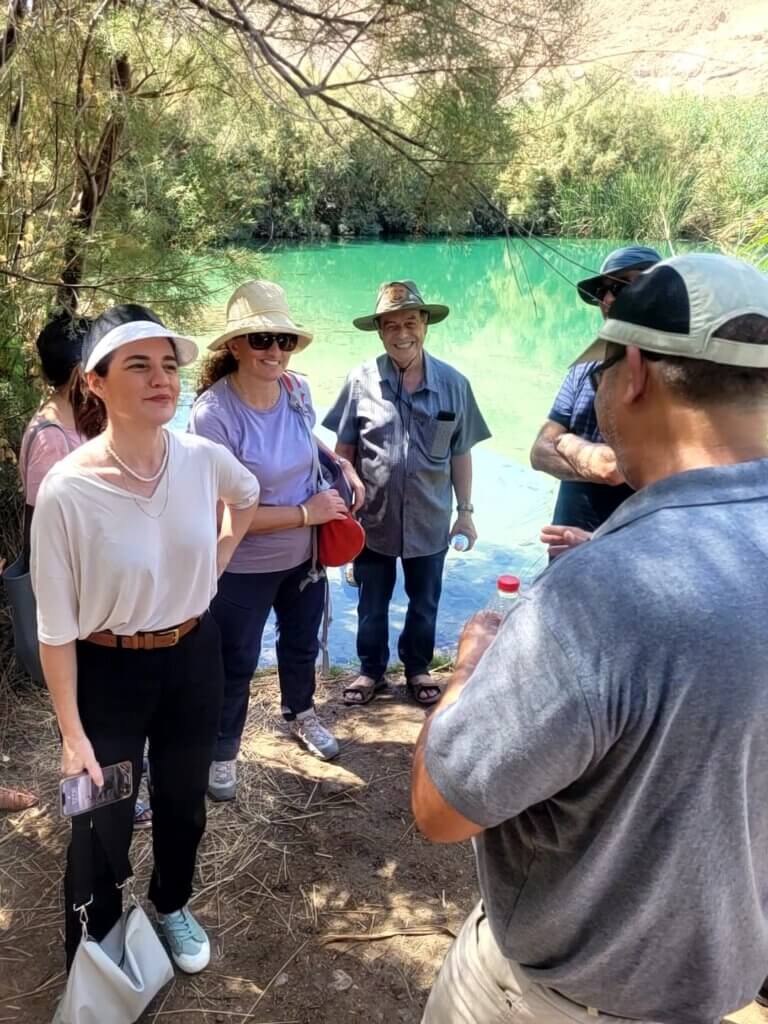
(418,687)
(362,690)
(16,799)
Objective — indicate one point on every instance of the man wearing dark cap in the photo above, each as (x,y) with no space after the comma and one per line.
(408,422)
(606,745)
(569,446)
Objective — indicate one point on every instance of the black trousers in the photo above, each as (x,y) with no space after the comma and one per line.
(173,698)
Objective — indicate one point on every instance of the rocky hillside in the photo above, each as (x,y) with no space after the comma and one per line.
(713,47)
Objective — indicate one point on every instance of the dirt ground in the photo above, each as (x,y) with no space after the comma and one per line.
(323,903)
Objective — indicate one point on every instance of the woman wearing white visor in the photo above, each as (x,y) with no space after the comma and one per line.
(125,558)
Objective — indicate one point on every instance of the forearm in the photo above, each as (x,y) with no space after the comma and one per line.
(270,518)
(234,526)
(436,819)
(60,670)
(461,477)
(547,459)
(347,451)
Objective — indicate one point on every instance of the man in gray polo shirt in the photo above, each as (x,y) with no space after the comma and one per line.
(608,746)
(408,422)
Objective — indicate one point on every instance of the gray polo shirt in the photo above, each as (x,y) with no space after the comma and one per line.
(404,447)
(613,741)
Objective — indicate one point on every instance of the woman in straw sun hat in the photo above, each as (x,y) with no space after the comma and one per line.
(125,559)
(249,403)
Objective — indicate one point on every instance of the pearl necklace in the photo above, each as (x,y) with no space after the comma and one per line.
(131,472)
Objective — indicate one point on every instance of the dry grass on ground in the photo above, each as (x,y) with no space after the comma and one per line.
(322,901)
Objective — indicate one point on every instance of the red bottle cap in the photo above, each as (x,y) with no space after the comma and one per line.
(508,584)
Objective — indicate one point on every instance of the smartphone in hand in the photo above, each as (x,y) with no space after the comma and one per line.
(79,793)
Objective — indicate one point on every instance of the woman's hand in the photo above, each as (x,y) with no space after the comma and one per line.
(77,756)
(354,481)
(324,507)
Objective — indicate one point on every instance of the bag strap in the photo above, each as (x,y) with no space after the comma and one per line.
(81,855)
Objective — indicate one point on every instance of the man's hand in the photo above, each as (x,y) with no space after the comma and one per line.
(465,525)
(562,538)
(477,636)
(357,485)
(595,463)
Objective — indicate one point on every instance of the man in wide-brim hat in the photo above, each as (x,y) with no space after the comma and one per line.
(408,421)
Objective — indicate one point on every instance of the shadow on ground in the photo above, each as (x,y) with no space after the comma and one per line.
(322,901)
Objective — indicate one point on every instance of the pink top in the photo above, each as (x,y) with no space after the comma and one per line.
(48,447)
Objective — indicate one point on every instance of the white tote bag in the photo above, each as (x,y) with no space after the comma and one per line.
(112,981)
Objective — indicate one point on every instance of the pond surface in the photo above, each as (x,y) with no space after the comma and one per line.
(516,323)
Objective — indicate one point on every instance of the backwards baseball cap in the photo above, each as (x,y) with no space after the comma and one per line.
(396,295)
(121,325)
(631,257)
(677,307)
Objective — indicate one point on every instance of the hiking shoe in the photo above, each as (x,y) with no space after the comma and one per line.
(222,780)
(307,728)
(762,996)
(187,942)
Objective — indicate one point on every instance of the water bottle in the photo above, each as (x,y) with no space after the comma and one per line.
(506,596)
(460,542)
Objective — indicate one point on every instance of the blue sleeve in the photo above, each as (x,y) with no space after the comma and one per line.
(205,420)
(563,406)
(341,418)
(520,731)
(472,427)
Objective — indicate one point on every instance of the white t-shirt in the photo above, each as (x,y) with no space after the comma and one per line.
(103,558)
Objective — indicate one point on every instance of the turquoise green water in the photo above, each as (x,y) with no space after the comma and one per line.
(516,324)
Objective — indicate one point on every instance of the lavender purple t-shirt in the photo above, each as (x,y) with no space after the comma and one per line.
(274,445)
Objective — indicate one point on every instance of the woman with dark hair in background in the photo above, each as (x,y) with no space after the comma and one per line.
(51,434)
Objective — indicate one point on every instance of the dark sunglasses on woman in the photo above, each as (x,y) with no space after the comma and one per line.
(261,342)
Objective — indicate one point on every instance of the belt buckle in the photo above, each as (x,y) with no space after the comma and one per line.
(175,633)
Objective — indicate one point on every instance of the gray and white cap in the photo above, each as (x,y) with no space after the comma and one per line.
(677,307)
(121,325)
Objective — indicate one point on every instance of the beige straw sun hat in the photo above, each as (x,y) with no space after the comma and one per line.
(260,307)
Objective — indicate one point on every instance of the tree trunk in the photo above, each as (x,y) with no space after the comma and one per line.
(94,174)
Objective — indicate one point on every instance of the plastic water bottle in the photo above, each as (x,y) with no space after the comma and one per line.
(506,596)
(460,542)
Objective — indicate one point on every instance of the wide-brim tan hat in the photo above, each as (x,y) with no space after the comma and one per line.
(397,295)
(258,307)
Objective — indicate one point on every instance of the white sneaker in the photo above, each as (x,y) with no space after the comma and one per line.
(188,943)
(307,728)
(222,780)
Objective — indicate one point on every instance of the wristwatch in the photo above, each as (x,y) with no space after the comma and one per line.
(465,506)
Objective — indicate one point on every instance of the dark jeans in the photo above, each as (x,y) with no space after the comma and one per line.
(423,583)
(171,697)
(241,607)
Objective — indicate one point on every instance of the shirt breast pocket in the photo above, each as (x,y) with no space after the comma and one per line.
(433,436)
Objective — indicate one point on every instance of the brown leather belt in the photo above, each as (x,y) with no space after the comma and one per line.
(145,641)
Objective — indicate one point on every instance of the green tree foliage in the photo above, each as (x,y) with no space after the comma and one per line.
(607,159)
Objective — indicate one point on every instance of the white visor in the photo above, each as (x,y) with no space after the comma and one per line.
(137,330)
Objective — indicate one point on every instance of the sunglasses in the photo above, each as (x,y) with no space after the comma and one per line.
(261,342)
(614,285)
(596,373)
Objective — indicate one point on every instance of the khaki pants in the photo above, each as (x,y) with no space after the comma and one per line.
(478,985)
